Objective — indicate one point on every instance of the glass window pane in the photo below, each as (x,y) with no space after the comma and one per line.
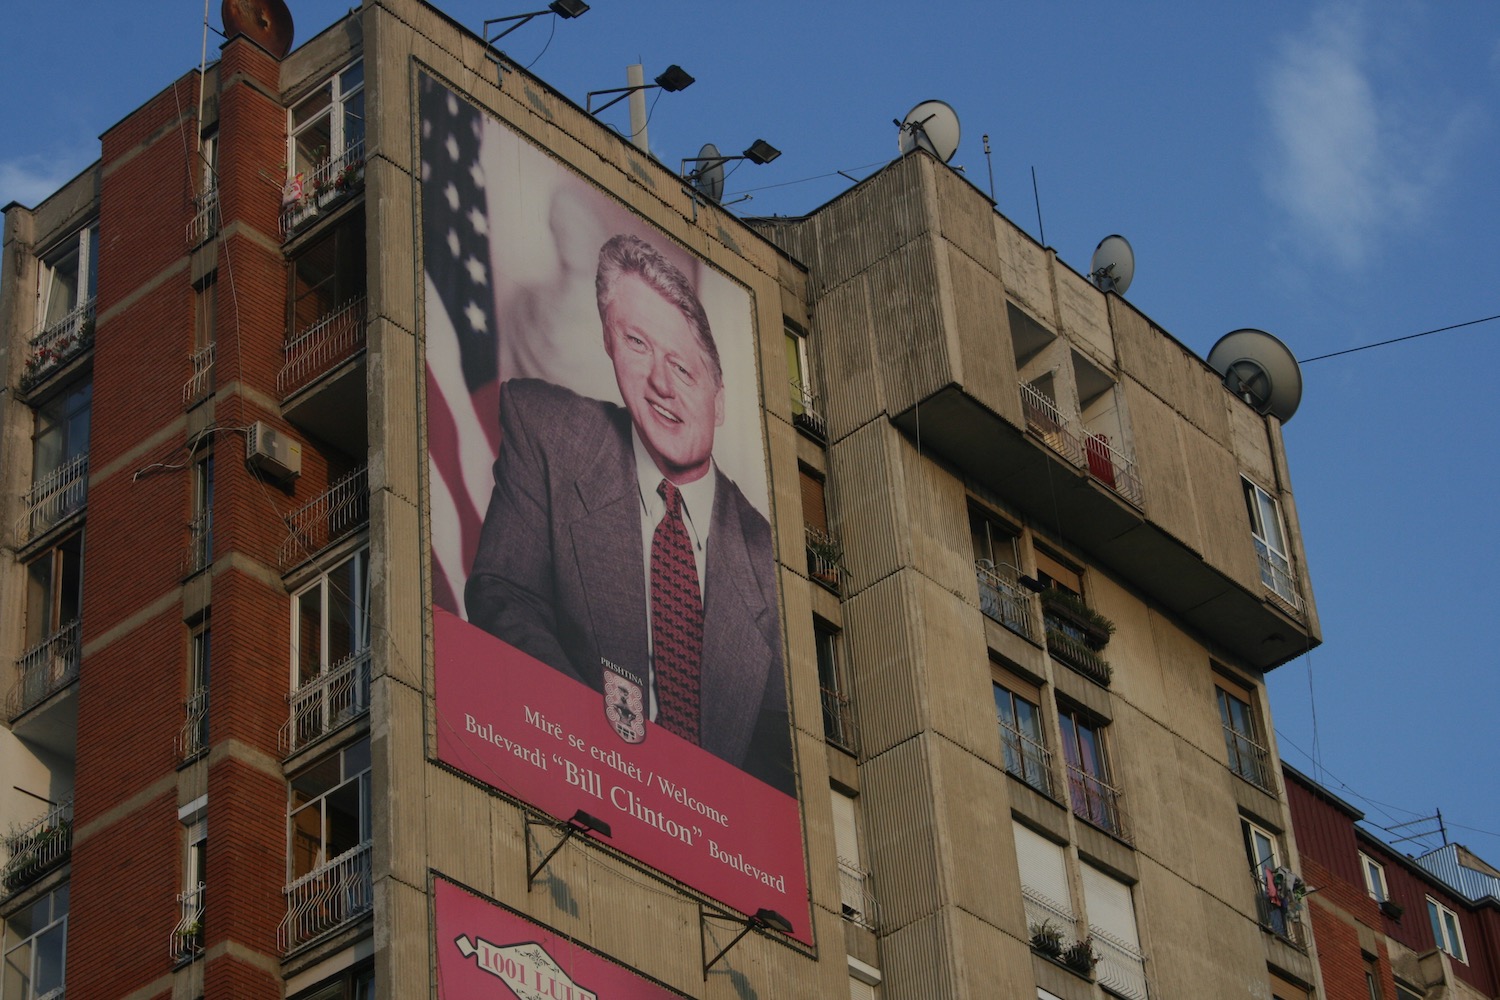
(49,959)
(357,758)
(352,78)
(309,634)
(354,121)
(18,971)
(309,107)
(344,827)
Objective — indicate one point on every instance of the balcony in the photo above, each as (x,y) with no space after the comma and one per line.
(57,496)
(1278,904)
(329,701)
(1121,969)
(1096,801)
(335,513)
(1045,421)
(1027,758)
(1091,452)
(200,547)
(1249,759)
(330,182)
(805,413)
(838,720)
(201,383)
(824,558)
(1042,910)
(204,225)
(857,899)
(1113,468)
(186,942)
(326,898)
(45,669)
(1076,634)
(1002,599)
(54,345)
(35,849)
(192,738)
(310,353)
(1276,573)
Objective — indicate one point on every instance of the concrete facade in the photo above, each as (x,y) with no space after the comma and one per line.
(1033,492)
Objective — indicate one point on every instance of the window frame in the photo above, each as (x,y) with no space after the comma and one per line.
(1440,928)
(833,687)
(1070,720)
(81,248)
(1264,510)
(59,593)
(341,96)
(1367,865)
(1254,766)
(357,616)
(1043,764)
(354,755)
(56,923)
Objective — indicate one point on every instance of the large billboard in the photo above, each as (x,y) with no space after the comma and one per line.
(605,621)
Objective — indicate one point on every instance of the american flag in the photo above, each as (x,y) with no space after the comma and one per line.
(461,334)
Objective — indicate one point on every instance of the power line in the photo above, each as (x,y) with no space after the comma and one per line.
(1412,336)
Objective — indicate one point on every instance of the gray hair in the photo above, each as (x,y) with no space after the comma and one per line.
(623,255)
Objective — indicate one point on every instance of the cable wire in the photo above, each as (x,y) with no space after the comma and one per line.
(1397,340)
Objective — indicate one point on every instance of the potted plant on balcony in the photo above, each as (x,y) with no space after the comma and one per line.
(1080,956)
(1047,938)
(825,558)
(1071,608)
(350,176)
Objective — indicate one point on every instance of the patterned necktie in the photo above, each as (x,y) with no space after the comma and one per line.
(676,620)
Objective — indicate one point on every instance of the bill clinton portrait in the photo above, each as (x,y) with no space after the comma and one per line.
(615,549)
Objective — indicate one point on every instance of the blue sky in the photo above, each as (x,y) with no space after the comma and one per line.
(1322,170)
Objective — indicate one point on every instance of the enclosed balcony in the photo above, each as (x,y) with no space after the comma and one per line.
(1097,801)
(1278,904)
(308,195)
(1027,758)
(204,225)
(326,899)
(337,512)
(824,558)
(857,896)
(201,382)
(1002,599)
(186,942)
(45,669)
(805,413)
(55,497)
(38,847)
(57,343)
(327,703)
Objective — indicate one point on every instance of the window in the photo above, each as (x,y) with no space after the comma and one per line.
(1270,543)
(1285,989)
(328,125)
(995,562)
(328,276)
(205,314)
(1021,739)
(187,939)
(201,528)
(797,376)
(1276,889)
(1404,992)
(54,589)
(330,808)
(838,718)
(1044,882)
(1374,873)
(854,882)
(1248,758)
(1372,978)
(1111,908)
(1445,929)
(194,738)
(67,282)
(61,440)
(351,984)
(331,650)
(35,947)
(1094,797)
(824,554)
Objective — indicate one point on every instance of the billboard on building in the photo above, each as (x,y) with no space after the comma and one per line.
(479,942)
(605,622)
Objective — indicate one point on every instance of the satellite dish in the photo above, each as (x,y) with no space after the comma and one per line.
(933,126)
(708,178)
(1113,266)
(1259,369)
(267,23)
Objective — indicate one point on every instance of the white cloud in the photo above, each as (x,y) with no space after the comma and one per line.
(1343,161)
(29,180)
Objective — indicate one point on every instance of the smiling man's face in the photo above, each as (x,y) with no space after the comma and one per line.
(665,378)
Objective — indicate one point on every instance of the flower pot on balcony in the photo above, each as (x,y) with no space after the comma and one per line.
(1081,957)
(1047,938)
(1071,608)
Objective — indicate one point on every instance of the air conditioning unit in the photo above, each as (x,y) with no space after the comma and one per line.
(272,453)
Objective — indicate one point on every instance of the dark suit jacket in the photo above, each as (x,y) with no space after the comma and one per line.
(560,571)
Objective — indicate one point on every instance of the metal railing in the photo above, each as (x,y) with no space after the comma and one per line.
(1097,801)
(327,182)
(327,517)
(37,848)
(1027,758)
(805,411)
(1043,418)
(1074,652)
(838,720)
(856,895)
(192,738)
(200,550)
(1276,909)
(1042,909)
(44,669)
(1002,599)
(1112,467)
(1248,759)
(204,224)
(201,382)
(57,343)
(1276,573)
(1121,969)
(55,496)
(334,338)
(824,557)
(187,937)
(335,697)
(327,898)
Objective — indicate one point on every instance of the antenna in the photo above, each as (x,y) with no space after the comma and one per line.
(709,181)
(1113,266)
(1259,369)
(931,125)
(267,23)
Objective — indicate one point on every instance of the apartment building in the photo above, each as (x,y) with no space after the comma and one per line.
(334,675)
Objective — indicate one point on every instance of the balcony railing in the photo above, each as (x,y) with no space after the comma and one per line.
(1089,451)
(55,344)
(1002,599)
(1044,419)
(336,337)
(1042,909)
(200,550)
(328,183)
(1276,905)
(204,224)
(327,898)
(342,508)
(838,720)
(192,738)
(44,669)
(1121,969)
(856,895)
(57,495)
(335,697)
(1113,468)
(1097,801)
(1248,759)
(1027,758)
(37,848)
(201,382)
(1075,653)
(805,411)
(1276,573)
(186,942)
(824,558)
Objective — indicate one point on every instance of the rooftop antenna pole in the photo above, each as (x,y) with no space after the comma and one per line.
(989,163)
(635,76)
(1034,194)
(202,72)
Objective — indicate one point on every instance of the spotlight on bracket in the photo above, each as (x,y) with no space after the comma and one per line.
(672,79)
(564,9)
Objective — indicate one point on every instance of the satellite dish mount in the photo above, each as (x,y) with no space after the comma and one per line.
(931,125)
